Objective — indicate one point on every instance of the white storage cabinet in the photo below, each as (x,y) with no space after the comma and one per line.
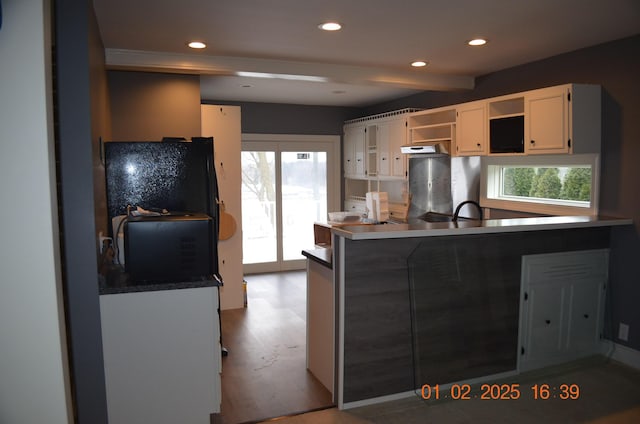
(562,306)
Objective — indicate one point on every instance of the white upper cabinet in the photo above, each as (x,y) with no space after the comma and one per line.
(392,133)
(563,119)
(372,146)
(354,145)
(433,126)
(547,124)
(471,129)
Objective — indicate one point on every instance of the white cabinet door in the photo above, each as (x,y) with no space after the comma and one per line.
(371,150)
(544,328)
(391,133)
(471,129)
(384,149)
(562,306)
(586,304)
(162,356)
(397,138)
(547,121)
(354,141)
(355,206)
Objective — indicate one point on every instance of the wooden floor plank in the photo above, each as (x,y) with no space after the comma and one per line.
(265,375)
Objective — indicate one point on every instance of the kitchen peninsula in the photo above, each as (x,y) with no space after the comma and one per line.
(439,303)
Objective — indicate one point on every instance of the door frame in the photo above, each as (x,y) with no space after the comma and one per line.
(293,142)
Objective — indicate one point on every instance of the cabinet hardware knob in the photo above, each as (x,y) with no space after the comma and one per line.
(478,144)
(586,315)
(533,142)
(547,321)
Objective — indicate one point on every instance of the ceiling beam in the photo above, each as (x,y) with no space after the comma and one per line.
(418,79)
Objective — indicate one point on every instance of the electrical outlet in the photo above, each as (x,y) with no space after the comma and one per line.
(623,332)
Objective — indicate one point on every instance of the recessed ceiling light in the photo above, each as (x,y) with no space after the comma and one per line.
(197,45)
(419,63)
(330,26)
(477,42)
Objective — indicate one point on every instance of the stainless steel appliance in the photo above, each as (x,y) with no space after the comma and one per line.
(439,182)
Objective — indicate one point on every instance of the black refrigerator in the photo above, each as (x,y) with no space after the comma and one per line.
(175,182)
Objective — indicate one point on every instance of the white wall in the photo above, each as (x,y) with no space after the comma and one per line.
(34,380)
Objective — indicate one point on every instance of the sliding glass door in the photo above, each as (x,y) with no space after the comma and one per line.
(287,185)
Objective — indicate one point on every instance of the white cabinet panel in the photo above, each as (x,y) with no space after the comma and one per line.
(471,127)
(224,124)
(562,306)
(162,356)
(563,119)
(354,144)
(545,317)
(547,121)
(585,315)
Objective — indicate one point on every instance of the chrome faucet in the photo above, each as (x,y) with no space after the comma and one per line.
(476,204)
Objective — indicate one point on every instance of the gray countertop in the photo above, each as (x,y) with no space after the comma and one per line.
(322,255)
(117,281)
(418,228)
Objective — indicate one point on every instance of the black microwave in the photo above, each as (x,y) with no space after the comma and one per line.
(172,248)
(506,135)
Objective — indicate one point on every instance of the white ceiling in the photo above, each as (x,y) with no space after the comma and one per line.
(367,61)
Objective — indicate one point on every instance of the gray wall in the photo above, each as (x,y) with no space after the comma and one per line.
(615,66)
(272,118)
(148,106)
(81,115)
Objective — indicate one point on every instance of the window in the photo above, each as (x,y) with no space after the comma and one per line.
(554,184)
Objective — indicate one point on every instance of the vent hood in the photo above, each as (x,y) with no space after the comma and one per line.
(430,147)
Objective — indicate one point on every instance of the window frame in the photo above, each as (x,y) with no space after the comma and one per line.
(490,180)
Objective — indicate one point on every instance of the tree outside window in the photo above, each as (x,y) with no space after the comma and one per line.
(566,183)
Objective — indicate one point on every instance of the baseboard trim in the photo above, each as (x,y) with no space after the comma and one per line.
(624,355)
(380,399)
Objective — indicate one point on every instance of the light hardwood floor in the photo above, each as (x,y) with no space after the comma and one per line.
(265,376)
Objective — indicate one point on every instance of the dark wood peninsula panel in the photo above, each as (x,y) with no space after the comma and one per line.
(463,308)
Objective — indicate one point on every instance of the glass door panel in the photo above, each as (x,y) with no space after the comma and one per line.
(304,199)
(288,183)
(259,230)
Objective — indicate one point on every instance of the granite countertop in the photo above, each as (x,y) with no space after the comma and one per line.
(117,281)
(419,228)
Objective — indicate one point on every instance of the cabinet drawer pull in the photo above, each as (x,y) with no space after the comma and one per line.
(586,315)
(548,321)
(533,142)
